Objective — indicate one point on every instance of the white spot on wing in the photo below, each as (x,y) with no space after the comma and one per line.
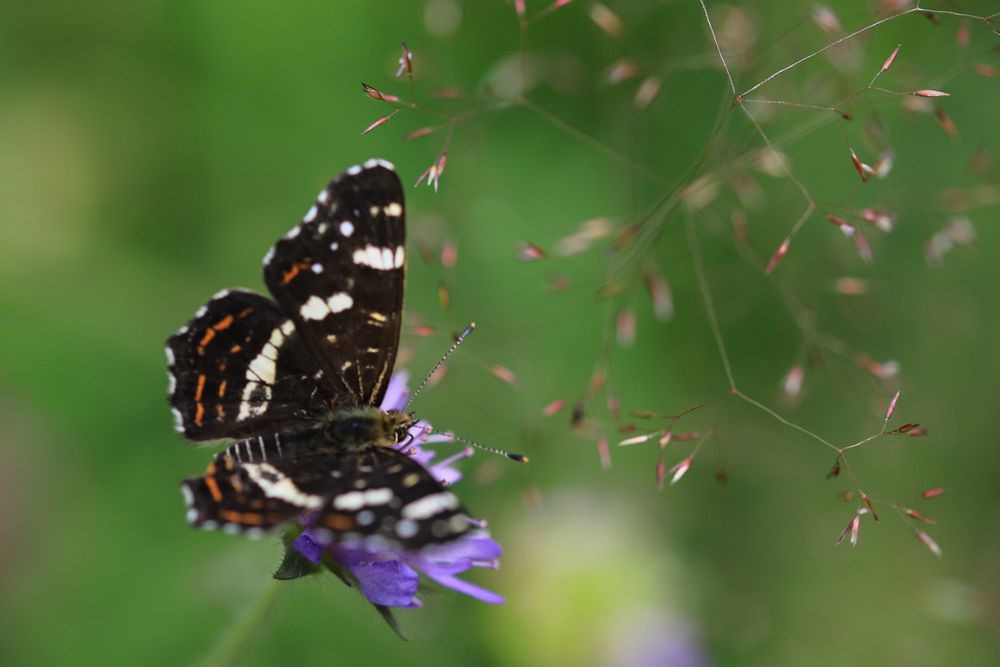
(458,523)
(276,485)
(355,500)
(339,302)
(354,171)
(170,356)
(323,196)
(406,528)
(248,409)
(277,338)
(374,162)
(311,214)
(262,369)
(347,228)
(381,259)
(430,505)
(378,496)
(178,420)
(293,232)
(393,210)
(314,309)
(171,383)
(317,309)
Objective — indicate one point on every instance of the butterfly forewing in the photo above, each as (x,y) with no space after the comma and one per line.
(339,276)
(240,368)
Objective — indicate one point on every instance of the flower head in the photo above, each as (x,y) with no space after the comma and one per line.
(387,575)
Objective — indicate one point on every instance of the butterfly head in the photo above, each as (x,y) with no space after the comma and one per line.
(399,424)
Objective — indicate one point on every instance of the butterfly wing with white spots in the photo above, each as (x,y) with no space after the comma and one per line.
(240,369)
(246,366)
(379,492)
(339,276)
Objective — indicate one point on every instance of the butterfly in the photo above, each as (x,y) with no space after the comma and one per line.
(297,379)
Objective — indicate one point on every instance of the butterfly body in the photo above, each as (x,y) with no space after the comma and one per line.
(298,381)
(367,426)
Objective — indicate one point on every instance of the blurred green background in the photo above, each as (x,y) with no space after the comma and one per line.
(151,152)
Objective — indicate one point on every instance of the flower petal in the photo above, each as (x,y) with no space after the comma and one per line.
(433,439)
(387,582)
(422,456)
(309,548)
(465,587)
(475,546)
(445,474)
(396,393)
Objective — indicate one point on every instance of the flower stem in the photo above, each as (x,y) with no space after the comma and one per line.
(233,640)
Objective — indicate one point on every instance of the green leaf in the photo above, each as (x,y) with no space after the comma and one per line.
(387,614)
(294,565)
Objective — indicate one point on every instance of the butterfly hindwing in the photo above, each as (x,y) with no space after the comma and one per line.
(229,496)
(339,276)
(376,493)
(393,498)
(239,368)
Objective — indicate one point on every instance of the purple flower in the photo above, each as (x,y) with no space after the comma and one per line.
(389,576)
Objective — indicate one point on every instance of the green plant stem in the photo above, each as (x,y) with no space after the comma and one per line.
(234,639)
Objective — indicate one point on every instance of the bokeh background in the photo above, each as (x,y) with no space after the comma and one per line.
(151,152)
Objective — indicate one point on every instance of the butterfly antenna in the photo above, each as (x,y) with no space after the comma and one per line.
(520,458)
(454,346)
